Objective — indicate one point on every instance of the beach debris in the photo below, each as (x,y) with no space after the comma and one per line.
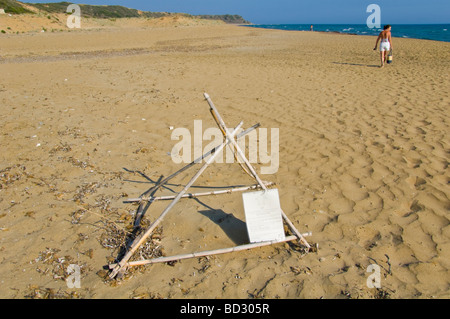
(301,270)
(63,147)
(117,236)
(51,264)
(86,189)
(38,292)
(145,295)
(134,243)
(388,262)
(11,174)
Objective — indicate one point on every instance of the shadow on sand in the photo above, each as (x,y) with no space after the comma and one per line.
(358,64)
(233,227)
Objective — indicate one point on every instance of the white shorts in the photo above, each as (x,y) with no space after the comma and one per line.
(385,46)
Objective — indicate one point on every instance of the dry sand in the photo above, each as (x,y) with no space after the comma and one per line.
(364,154)
(57,22)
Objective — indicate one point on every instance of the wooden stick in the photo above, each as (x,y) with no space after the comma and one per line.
(227,191)
(190,195)
(294,230)
(206,253)
(198,160)
(139,240)
(219,119)
(224,128)
(140,210)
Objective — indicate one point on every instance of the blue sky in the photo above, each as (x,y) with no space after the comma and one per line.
(297,11)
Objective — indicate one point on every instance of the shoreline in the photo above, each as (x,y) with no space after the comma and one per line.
(350,33)
(175,20)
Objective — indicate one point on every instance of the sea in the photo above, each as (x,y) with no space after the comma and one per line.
(437,32)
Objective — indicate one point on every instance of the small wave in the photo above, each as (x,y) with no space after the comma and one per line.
(437,33)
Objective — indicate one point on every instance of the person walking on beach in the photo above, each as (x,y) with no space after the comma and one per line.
(385,45)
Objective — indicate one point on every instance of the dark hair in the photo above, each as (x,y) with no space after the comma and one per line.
(387,26)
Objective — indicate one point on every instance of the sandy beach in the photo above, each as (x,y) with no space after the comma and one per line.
(363,160)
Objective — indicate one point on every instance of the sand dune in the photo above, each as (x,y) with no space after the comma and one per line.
(364,158)
(57,22)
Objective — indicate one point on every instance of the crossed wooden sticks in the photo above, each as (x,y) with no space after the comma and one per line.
(229,138)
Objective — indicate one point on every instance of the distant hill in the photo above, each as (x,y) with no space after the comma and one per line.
(91,11)
(227,18)
(13,7)
(105,12)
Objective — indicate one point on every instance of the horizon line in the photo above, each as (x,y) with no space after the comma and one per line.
(346,23)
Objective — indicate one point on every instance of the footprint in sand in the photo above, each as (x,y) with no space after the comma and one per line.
(416,206)
(416,182)
(412,162)
(367,236)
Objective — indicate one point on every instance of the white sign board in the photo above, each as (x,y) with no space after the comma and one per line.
(263,216)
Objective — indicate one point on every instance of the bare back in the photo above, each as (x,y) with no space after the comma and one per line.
(385,34)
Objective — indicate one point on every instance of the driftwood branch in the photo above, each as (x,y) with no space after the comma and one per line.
(195,195)
(205,253)
(294,230)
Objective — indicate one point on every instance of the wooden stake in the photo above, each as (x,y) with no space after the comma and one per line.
(205,253)
(219,119)
(139,240)
(140,210)
(195,195)
(224,128)
(294,230)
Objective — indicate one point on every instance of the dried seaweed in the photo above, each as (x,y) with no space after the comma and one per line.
(117,239)
(61,148)
(79,163)
(11,174)
(49,263)
(37,292)
(86,189)
(77,215)
(146,295)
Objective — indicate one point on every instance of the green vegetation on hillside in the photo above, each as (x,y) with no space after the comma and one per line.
(13,7)
(58,7)
(108,11)
(228,18)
